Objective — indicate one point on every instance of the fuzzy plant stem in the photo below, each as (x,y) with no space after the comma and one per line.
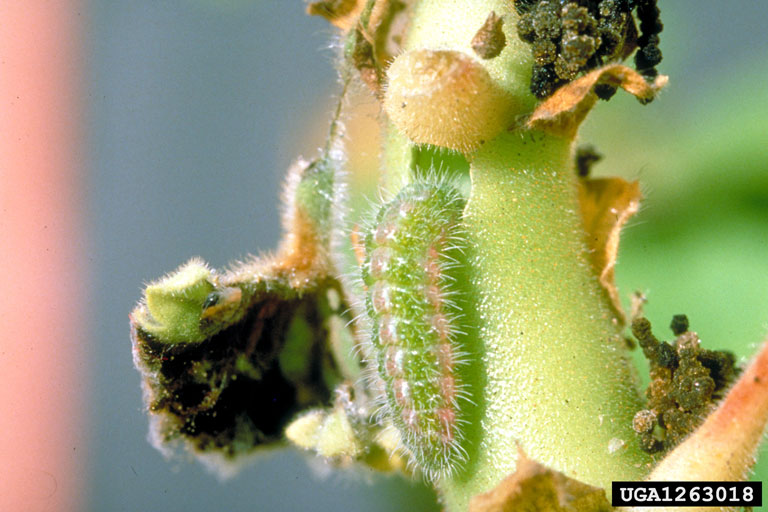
(548,369)
(554,378)
(557,380)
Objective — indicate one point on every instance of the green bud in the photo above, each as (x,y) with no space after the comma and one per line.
(174,304)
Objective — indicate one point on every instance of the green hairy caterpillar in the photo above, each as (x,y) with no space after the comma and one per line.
(414,259)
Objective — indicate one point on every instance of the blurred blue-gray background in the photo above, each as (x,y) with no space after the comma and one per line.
(196,108)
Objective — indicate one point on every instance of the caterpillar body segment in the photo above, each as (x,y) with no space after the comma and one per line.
(415,257)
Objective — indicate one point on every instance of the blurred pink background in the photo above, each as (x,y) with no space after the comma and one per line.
(42,334)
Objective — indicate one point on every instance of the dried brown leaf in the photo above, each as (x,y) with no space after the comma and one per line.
(340,13)
(535,487)
(490,39)
(606,205)
(374,41)
(563,112)
(380,26)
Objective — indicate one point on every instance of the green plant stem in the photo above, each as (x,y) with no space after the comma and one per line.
(558,383)
(554,377)
(451,25)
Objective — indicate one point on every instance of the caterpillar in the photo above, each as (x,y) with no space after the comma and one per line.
(414,259)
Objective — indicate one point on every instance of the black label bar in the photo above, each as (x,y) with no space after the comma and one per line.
(687,494)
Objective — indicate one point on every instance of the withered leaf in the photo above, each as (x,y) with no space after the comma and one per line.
(606,205)
(534,487)
(374,41)
(489,40)
(270,356)
(563,112)
(229,358)
(340,13)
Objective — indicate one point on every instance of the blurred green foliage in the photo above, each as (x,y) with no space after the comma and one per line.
(699,245)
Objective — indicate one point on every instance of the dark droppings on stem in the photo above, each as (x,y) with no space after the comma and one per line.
(679,324)
(570,38)
(686,382)
(586,157)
